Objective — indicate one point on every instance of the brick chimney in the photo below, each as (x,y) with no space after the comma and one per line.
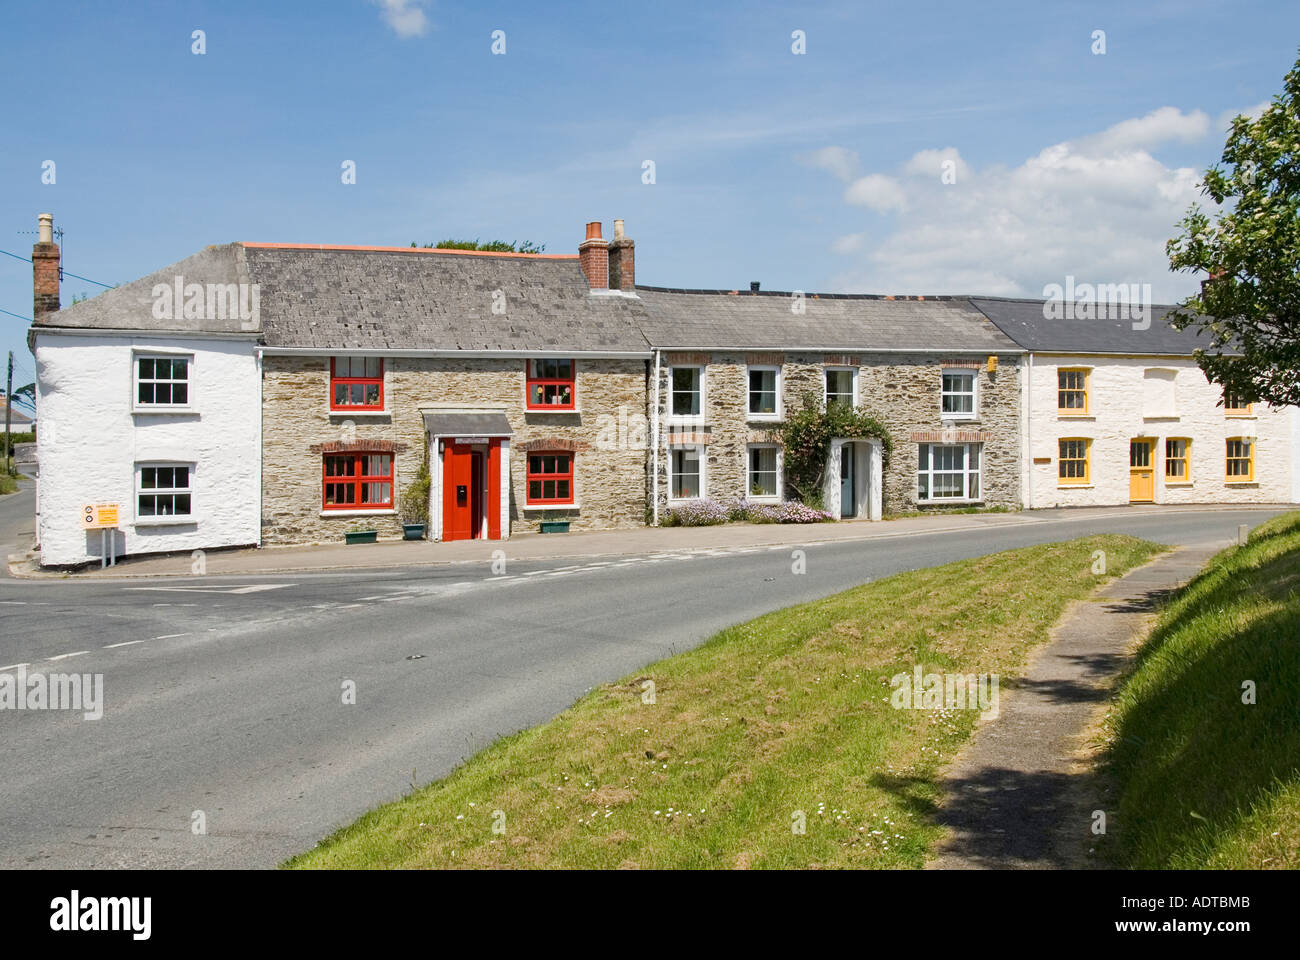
(45,270)
(593,255)
(622,260)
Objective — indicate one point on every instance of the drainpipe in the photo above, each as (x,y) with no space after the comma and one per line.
(1029,436)
(261,458)
(654,456)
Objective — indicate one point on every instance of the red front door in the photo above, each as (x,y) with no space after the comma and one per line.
(462,492)
(471,491)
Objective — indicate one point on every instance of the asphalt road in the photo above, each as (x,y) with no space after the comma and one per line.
(224,695)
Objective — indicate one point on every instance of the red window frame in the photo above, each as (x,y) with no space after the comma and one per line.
(355,480)
(337,381)
(544,466)
(540,384)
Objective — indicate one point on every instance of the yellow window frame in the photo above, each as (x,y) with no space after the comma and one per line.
(1235,455)
(1070,455)
(1185,460)
(1232,406)
(1085,377)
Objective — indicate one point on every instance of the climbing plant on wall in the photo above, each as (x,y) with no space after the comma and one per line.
(806,436)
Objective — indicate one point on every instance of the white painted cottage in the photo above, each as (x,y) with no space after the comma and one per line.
(1116,411)
(150,398)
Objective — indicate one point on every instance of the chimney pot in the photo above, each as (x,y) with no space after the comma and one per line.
(753,286)
(622,260)
(45,269)
(593,257)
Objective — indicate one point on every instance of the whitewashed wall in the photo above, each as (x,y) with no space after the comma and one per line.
(90,441)
(1124,404)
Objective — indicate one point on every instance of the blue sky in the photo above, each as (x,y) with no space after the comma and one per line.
(819,171)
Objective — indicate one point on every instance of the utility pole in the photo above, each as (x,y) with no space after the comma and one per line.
(9,406)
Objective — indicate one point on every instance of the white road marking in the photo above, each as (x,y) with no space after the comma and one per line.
(124,643)
(65,656)
(14,666)
(16,603)
(248,588)
(170,636)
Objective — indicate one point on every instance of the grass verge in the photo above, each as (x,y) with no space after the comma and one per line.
(1207,780)
(789,712)
(8,482)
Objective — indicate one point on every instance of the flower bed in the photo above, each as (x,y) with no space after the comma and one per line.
(705,513)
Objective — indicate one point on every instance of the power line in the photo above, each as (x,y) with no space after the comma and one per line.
(66,273)
(19,316)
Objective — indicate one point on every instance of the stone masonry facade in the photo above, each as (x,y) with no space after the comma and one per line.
(902,391)
(298,426)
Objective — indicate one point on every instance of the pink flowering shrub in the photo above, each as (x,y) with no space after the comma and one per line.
(703,513)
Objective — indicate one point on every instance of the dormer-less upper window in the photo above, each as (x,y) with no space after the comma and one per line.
(552,384)
(162,381)
(357,383)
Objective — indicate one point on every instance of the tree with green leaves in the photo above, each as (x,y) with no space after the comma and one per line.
(490,246)
(1249,307)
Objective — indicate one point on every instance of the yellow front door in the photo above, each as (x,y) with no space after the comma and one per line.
(1141,471)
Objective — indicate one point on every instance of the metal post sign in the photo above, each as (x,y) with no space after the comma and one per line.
(100,516)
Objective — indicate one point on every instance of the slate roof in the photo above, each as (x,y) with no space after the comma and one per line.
(356,299)
(130,306)
(334,298)
(1024,322)
(697,319)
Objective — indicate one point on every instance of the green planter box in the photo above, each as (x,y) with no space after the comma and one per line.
(362,536)
(412,531)
(555,526)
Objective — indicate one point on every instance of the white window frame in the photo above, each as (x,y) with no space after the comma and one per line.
(696,418)
(749,473)
(137,406)
(853,381)
(974,393)
(776,389)
(966,473)
(170,519)
(700,451)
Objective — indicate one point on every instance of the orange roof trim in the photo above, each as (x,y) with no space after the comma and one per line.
(464,253)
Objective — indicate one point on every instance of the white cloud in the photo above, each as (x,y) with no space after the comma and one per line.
(849,243)
(1099,208)
(406,17)
(843,163)
(878,192)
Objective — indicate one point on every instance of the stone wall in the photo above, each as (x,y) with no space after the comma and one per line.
(609,466)
(903,391)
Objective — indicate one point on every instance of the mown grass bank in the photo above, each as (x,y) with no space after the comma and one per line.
(786,713)
(1207,780)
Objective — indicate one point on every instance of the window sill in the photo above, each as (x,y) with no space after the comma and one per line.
(172,521)
(1075,416)
(163,410)
(1240,416)
(543,507)
(958,417)
(764,417)
(685,422)
(572,411)
(390,512)
(1179,483)
(1160,416)
(1075,486)
(1241,483)
(953,502)
(360,412)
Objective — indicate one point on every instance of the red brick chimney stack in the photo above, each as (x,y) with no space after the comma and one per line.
(593,255)
(45,269)
(622,260)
